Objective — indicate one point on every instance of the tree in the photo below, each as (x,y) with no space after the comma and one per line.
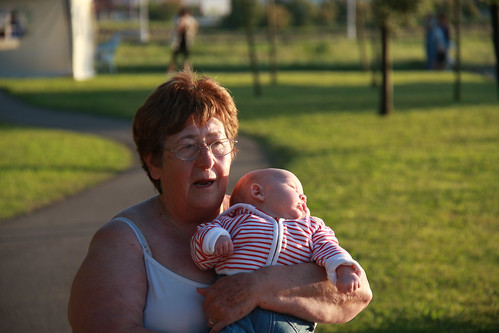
(389,14)
(361,36)
(234,19)
(302,11)
(249,23)
(327,13)
(494,20)
(386,101)
(238,14)
(245,14)
(271,32)
(282,17)
(163,11)
(457,66)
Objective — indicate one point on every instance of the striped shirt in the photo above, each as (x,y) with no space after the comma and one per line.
(260,240)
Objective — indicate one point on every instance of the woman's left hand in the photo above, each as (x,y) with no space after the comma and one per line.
(229,299)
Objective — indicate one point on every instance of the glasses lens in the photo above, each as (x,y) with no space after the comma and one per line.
(187,152)
(221,147)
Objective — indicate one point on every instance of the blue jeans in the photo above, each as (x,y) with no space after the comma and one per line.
(263,321)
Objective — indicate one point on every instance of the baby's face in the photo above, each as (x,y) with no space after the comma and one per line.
(284,196)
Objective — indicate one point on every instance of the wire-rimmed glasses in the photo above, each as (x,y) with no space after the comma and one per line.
(189,152)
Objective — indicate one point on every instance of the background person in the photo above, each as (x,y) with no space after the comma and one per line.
(138,275)
(269,223)
(444,59)
(434,44)
(186,28)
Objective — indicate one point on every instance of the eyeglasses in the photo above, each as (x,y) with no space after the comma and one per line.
(190,152)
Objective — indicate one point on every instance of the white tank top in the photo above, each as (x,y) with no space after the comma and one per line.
(172,304)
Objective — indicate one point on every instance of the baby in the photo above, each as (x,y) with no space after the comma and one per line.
(269,223)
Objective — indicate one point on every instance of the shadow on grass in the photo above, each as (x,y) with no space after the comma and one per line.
(110,103)
(233,68)
(283,99)
(299,100)
(278,157)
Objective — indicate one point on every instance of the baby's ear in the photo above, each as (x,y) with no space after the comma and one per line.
(256,192)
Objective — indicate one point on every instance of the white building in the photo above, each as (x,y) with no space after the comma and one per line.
(213,8)
(47,38)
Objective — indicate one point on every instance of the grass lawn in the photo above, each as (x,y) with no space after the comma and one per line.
(42,166)
(412,196)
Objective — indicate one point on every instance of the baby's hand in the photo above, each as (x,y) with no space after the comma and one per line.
(223,247)
(348,280)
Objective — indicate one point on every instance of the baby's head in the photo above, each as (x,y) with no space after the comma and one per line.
(277,192)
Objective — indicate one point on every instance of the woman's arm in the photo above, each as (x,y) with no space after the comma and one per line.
(301,290)
(308,294)
(109,290)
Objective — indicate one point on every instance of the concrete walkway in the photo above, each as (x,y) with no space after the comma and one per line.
(40,252)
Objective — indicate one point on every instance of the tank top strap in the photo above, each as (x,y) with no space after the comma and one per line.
(138,233)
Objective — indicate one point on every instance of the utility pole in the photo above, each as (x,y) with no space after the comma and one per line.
(351,18)
(144,21)
(457,65)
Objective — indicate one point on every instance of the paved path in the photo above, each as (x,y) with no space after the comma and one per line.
(40,252)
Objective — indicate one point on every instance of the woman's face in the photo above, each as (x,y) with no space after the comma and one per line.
(197,186)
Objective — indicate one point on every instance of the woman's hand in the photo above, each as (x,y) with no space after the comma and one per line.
(229,299)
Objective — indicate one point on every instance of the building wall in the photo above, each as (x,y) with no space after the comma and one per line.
(44,46)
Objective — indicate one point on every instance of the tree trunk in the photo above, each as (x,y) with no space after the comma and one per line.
(494,16)
(271,32)
(351,14)
(144,20)
(386,104)
(457,67)
(250,37)
(376,59)
(361,40)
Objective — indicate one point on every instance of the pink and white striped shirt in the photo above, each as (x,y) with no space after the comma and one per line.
(260,240)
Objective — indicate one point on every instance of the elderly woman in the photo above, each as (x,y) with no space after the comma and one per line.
(138,275)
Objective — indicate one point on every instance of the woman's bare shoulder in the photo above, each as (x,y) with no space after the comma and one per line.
(118,230)
(137,212)
(109,287)
(115,244)
(114,232)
